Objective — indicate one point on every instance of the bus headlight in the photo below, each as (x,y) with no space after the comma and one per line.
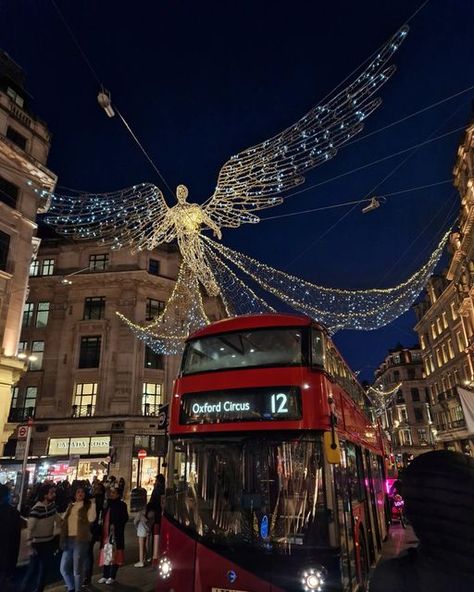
(313,579)
(164,568)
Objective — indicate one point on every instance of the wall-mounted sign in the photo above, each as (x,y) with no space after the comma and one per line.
(79,446)
(251,404)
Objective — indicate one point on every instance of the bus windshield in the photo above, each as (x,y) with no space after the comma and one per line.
(251,348)
(258,492)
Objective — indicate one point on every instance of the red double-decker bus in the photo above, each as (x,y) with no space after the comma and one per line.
(275,474)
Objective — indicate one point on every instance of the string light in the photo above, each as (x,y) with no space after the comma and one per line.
(381,400)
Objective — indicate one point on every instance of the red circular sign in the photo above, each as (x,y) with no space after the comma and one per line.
(141,454)
(22,432)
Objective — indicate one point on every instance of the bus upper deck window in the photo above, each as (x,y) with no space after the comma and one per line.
(317,348)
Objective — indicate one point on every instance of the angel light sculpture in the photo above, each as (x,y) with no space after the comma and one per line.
(256,178)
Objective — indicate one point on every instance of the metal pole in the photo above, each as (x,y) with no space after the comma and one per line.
(25,462)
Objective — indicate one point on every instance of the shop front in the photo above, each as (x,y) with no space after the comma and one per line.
(145,470)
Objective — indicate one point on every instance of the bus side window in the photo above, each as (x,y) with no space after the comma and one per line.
(317,349)
(355,473)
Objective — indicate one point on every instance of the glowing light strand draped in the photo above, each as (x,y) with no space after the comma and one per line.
(335,308)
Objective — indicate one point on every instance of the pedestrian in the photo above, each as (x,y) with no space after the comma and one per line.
(113,536)
(154,513)
(11,525)
(438,489)
(75,538)
(42,524)
(143,531)
(121,485)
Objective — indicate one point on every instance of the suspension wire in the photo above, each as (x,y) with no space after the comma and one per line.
(349,203)
(410,116)
(390,174)
(98,80)
(378,161)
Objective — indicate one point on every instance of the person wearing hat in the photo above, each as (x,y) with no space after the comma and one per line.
(115,518)
(438,489)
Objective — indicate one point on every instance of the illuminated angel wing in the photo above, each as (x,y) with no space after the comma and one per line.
(255,178)
(136,217)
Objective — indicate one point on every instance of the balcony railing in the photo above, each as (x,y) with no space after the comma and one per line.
(19,414)
(150,410)
(83,410)
(458,423)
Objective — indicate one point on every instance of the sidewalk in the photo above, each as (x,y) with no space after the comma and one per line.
(399,539)
(129,579)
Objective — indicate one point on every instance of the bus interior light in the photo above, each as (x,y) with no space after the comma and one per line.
(164,568)
(313,579)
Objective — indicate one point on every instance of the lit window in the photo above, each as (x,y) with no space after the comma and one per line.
(445,352)
(85,394)
(438,357)
(34,268)
(422,435)
(433,330)
(402,413)
(98,262)
(37,353)
(439,326)
(47,267)
(28,314)
(42,314)
(153,308)
(461,341)
(151,398)
(450,349)
(432,366)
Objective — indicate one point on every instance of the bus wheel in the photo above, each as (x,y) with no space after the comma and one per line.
(363,563)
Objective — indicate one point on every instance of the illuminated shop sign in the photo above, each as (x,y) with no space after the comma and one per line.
(85,445)
(256,404)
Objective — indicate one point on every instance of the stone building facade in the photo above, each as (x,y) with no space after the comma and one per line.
(406,415)
(24,185)
(95,391)
(446,318)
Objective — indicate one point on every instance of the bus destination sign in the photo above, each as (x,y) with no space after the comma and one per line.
(249,404)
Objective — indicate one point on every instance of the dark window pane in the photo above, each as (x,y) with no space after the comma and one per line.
(418,414)
(415,394)
(8,193)
(89,356)
(94,308)
(16,137)
(153,360)
(154,267)
(153,308)
(4,248)
(98,262)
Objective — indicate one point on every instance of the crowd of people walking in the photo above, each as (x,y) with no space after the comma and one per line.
(64,523)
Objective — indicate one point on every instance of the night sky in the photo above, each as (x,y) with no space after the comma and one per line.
(200,80)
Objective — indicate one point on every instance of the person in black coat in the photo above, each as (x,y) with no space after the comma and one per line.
(438,488)
(11,525)
(115,517)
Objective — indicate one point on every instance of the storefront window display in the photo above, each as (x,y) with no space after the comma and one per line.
(150,467)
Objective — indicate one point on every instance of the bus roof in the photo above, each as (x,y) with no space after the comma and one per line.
(255,321)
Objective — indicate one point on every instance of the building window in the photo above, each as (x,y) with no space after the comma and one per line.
(439,358)
(23,404)
(153,361)
(42,314)
(15,97)
(94,308)
(16,137)
(8,193)
(47,267)
(28,312)
(396,358)
(415,394)
(450,349)
(454,313)
(422,342)
(399,397)
(151,398)
(432,366)
(98,262)
(439,326)
(444,316)
(444,352)
(153,308)
(422,436)
(34,268)
(396,376)
(411,373)
(85,394)
(4,249)
(89,355)
(36,357)
(402,413)
(154,267)
(433,330)
(418,414)
(460,340)
(405,437)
